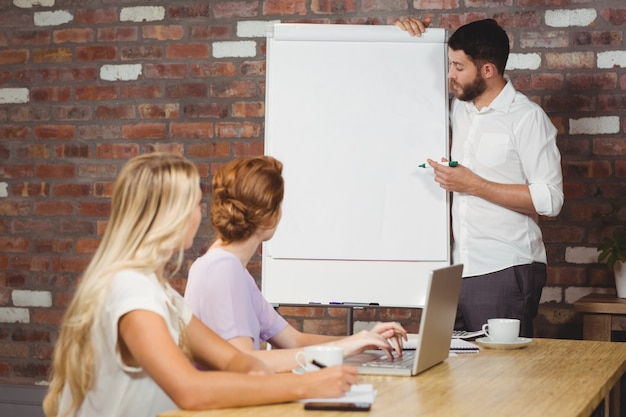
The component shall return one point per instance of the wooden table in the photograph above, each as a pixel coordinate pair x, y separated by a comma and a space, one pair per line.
550, 377
602, 314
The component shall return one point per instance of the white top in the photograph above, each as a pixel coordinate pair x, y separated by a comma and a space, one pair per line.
122, 390
511, 141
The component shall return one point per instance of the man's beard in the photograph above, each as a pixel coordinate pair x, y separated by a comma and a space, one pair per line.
471, 91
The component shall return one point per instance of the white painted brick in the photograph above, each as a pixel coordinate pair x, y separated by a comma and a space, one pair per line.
14, 95
573, 294
611, 59
234, 49
14, 315
581, 255
54, 18
523, 61
4, 192
25, 298
551, 294
594, 125
27, 4
566, 18
142, 13
125, 72
253, 28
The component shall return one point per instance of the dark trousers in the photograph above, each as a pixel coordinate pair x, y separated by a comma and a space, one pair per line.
511, 293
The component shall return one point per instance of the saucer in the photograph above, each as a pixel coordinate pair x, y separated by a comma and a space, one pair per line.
299, 371
518, 344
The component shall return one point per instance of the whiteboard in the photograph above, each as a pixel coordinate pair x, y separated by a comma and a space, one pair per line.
351, 111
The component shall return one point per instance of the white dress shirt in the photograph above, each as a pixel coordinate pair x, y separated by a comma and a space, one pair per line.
511, 141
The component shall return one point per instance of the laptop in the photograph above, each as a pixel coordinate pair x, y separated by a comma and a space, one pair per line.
435, 333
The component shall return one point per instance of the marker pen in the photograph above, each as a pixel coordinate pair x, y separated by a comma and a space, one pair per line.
449, 163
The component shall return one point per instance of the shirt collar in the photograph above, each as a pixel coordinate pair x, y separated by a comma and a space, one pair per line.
501, 103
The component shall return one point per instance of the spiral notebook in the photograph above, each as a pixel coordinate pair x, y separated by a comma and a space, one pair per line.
435, 334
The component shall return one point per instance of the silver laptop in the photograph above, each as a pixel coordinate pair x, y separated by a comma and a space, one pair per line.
435, 333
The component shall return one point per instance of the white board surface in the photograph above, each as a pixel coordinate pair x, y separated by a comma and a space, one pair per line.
351, 111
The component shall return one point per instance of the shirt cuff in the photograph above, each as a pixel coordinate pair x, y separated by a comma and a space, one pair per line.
547, 199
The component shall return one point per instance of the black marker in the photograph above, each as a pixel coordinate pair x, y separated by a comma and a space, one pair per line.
319, 365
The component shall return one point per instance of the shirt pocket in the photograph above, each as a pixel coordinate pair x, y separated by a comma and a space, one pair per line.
493, 149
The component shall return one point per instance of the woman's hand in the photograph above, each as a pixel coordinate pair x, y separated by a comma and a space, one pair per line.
330, 382
384, 336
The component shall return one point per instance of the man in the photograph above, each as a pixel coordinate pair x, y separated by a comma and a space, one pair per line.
509, 172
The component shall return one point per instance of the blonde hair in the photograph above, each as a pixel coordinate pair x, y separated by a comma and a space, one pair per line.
152, 200
247, 194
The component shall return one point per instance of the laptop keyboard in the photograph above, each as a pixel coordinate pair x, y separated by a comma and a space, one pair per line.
406, 361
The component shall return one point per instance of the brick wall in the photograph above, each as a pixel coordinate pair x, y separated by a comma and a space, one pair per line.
86, 85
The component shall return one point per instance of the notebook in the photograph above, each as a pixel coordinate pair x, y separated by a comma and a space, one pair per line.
435, 333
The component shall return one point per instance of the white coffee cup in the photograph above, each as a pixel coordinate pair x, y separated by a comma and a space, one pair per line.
324, 355
502, 330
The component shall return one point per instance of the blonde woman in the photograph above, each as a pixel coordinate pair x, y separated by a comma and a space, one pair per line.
127, 340
245, 211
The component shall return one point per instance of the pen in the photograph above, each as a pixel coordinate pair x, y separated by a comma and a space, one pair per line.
319, 365
449, 163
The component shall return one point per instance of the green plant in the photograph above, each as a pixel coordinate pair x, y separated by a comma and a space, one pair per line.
613, 248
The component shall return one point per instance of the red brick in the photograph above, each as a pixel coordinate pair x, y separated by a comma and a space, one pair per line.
253, 69
147, 52
103, 189
14, 56
248, 109
192, 51
213, 69
248, 148
594, 38
234, 89
53, 208
602, 81
29, 114
96, 53
116, 150
233, 9
144, 131
118, 34
165, 70
14, 132
10, 208
73, 35
201, 110
211, 32
88, 246
611, 102
16, 171
163, 32
51, 93
71, 190
55, 245
208, 150
52, 55
96, 16
333, 6
183, 12
31, 226
141, 91
284, 7
14, 244
191, 130
56, 171
72, 151
33, 37
116, 112
70, 112
96, 93
245, 130
63, 132
159, 111
616, 17
187, 90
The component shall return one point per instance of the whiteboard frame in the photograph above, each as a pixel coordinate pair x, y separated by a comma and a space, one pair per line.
393, 283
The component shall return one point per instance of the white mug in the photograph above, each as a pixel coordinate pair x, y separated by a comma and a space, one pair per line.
324, 355
502, 330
